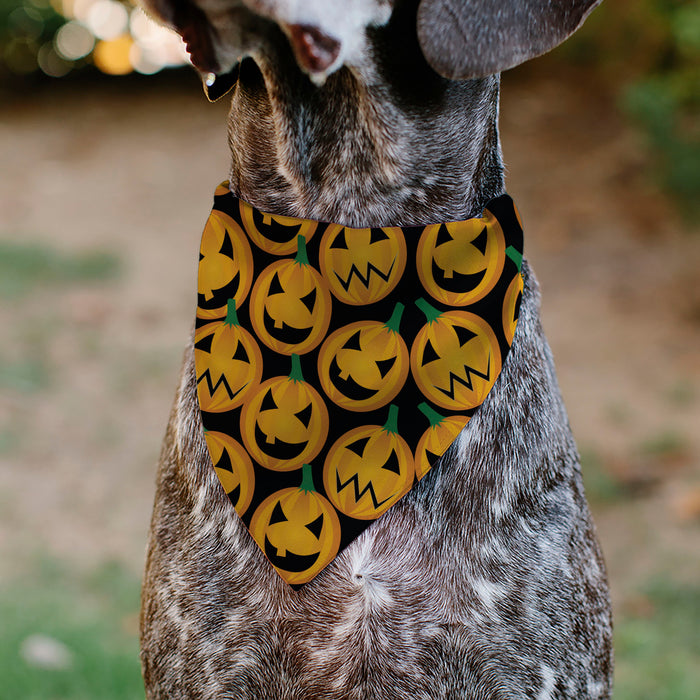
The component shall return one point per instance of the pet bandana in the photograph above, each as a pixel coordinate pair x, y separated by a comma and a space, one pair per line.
335, 365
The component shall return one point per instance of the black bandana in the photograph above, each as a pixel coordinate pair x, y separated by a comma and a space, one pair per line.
336, 365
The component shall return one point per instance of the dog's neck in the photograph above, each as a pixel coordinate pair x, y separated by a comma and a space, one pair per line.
385, 143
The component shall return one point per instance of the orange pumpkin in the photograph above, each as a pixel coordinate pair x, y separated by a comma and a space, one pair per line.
455, 358
290, 307
222, 189
362, 265
234, 468
284, 423
275, 234
511, 307
298, 530
437, 438
227, 361
225, 266
460, 262
364, 365
368, 469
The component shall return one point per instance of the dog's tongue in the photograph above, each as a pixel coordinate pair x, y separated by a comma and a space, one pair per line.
314, 50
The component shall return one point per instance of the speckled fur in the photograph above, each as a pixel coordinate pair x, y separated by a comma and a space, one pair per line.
486, 581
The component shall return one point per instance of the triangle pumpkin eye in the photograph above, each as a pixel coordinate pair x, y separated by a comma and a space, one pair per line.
353, 342
443, 236
224, 462
268, 403
309, 301
392, 463
275, 286
385, 365
304, 415
227, 246
358, 447
377, 235
429, 354
278, 515
339, 241
316, 526
464, 335
205, 343
241, 355
480, 241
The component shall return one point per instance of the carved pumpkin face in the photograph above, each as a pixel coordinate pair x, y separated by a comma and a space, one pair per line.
368, 469
285, 422
460, 262
362, 265
233, 467
290, 305
436, 439
455, 359
298, 530
511, 307
364, 365
227, 362
225, 266
275, 234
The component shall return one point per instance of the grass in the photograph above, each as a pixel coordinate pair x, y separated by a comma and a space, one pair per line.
94, 618
28, 266
658, 649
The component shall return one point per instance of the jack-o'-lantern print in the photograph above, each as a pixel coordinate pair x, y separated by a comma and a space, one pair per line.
368, 469
364, 365
284, 423
222, 189
225, 266
234, 468
227, 361
437, 438
290, 306
460, 262
511, 307
298, 530
275, 234
455, 358
362, 265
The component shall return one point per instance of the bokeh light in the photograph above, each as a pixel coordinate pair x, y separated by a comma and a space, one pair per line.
58, 36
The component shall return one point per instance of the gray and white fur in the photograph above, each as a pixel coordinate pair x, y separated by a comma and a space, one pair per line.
486, 581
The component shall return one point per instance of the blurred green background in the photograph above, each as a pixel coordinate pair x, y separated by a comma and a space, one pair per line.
109, 156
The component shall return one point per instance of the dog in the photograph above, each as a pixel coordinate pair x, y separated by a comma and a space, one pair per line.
486, 580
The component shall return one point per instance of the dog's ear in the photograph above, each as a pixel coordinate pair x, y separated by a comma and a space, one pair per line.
472, 38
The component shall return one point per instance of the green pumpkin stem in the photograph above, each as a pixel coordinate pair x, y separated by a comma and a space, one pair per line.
395, 321
432, 415
231, 315
392, 422
431, 313
302, 257
515, 255
296, 374
307, 480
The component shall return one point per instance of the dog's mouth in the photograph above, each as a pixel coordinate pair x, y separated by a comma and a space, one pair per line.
216, 86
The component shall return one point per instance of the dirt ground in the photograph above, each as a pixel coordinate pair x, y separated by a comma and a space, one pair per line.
131, 170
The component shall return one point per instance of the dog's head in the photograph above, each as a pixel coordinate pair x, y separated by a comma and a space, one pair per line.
460, 39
